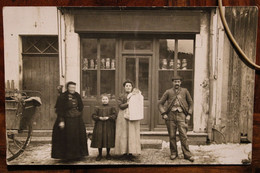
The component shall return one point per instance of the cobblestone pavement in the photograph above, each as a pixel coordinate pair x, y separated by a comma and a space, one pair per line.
38, 153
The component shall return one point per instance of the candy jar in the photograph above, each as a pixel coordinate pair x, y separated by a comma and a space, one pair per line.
108, 63
85, 64
92, 63
171, 64
103, 63
178, 64
164, 64
184, 64
113, 64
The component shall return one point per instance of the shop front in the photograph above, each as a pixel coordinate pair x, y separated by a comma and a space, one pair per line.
99, 48
149, 62
146, 46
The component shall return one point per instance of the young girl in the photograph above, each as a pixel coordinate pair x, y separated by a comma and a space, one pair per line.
104, 129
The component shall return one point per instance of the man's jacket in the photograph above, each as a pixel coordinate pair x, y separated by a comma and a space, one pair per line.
170, 95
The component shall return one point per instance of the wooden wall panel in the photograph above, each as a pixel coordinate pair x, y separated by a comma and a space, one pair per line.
256, 138
240, 78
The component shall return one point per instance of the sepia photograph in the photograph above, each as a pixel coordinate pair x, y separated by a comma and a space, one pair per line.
128, 85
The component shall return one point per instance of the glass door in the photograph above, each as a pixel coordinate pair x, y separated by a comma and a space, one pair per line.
138, 70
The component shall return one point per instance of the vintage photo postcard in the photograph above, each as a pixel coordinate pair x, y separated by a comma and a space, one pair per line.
128, 85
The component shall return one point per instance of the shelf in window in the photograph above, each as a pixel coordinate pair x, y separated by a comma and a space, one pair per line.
185, 70
166, 69
177, 70
90, 69
108, 69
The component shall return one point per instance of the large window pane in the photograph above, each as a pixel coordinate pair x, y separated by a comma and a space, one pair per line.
131, 69
89, 67
166, 54
108, 82
187, 80
185, 54
165, 81
143, 76
107, 54
89, 83
89, 54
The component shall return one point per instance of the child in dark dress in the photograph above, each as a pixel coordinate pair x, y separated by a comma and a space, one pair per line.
104, 129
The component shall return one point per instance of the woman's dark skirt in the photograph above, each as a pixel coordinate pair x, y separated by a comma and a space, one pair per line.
70, 142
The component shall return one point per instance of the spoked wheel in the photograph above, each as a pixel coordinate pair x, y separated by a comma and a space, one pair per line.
18, 140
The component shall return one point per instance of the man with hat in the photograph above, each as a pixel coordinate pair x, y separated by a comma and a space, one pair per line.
176, 113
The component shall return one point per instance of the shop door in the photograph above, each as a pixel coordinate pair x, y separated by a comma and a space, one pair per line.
138, 69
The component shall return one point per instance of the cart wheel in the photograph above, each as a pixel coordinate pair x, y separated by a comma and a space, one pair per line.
18, 140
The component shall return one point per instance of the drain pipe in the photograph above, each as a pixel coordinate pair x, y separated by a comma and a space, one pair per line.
212, 76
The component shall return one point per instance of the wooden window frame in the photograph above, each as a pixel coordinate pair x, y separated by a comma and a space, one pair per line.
98, 70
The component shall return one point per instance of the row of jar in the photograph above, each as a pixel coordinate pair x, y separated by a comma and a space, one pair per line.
169, 64
105, 63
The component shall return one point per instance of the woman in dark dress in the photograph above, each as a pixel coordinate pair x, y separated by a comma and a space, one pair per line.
69, 139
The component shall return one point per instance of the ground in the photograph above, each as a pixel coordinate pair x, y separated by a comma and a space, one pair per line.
38, 153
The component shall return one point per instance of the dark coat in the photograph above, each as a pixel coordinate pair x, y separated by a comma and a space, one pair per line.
104, 131
70, 142
184, 99
122, 101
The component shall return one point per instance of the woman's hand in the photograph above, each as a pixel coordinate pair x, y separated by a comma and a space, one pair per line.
106, 118
103, 118
129, 95
62, 124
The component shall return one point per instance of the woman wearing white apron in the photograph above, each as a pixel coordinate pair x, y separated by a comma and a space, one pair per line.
127, 126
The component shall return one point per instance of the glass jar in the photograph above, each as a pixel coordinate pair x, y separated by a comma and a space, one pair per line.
178, 64
85, 64
92, 63
113, 64
184, 64
164, 64
103, 63
108, 63
171, 64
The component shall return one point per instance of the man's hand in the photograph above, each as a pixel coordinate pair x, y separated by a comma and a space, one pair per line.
165, 116
62, 124
187, 119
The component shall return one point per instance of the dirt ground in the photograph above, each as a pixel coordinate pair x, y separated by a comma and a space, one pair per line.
39, 154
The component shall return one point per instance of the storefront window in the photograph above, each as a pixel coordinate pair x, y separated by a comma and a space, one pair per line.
167, 49
98, 67
176, 57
